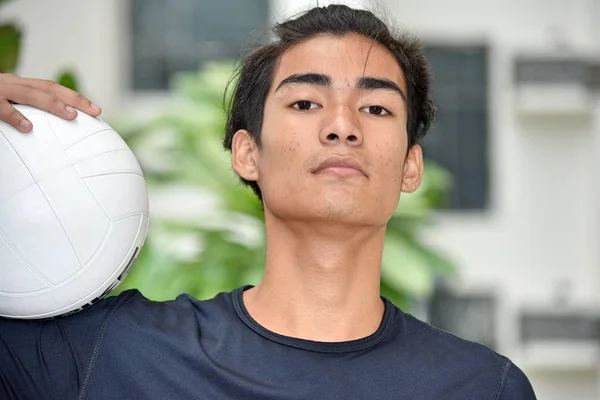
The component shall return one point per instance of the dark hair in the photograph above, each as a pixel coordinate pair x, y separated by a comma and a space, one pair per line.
255, 73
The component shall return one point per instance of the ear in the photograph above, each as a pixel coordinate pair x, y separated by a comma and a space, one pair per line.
413, 169
244, 154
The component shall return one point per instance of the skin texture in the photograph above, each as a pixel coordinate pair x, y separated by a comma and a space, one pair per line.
325, 230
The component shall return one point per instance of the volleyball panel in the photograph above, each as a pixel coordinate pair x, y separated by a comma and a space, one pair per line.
40, 150
82, 218
71, 132
14, 175
120, 195
112, 162
88, 284
102, 142
15, 275
30, 226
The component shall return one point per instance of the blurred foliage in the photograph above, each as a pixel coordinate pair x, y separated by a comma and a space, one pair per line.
10, 45
223, 246
67, 79
10, 38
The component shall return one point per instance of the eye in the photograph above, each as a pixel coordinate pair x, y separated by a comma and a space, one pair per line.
376, 110
305, 105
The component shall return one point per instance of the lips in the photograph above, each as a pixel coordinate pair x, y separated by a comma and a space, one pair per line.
340, 164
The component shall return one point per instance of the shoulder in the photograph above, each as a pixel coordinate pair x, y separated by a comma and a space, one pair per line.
74, 328
516, 386
41, 358
448, 345
134, 302
137, 314
472, 361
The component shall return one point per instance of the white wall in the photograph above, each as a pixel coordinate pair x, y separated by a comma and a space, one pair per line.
86, 36
543, 225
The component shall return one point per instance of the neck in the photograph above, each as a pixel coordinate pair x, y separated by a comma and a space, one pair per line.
321, 281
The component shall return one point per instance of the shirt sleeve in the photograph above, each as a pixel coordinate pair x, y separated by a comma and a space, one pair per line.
517, 386
49, 359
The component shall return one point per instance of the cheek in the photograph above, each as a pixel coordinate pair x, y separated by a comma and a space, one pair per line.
285, 154
391, 154
281, 163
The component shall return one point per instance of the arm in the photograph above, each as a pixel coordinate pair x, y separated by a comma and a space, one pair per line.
44, 359
49, 359
517, 386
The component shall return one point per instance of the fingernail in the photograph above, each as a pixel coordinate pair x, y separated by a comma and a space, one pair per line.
69, 109
25, 124
95, 107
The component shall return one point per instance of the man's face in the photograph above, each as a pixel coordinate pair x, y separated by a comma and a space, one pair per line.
337, 102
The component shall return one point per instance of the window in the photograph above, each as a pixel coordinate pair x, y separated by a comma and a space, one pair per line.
459, 139
170, 36
469, 316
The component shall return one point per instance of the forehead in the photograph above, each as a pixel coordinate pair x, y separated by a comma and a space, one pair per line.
343, 58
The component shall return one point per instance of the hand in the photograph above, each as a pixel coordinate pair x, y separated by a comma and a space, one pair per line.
43, 94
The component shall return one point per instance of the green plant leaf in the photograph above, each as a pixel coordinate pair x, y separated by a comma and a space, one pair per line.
68, 80
10, 41
404, 267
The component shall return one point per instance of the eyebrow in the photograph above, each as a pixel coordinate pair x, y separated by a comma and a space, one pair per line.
307, 79
365, 82
370, 83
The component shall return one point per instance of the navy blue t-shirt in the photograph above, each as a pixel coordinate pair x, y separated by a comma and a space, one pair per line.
129, 347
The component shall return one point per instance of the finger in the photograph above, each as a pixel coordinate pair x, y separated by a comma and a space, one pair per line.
12, 116
41, 99
7, 77
68, 96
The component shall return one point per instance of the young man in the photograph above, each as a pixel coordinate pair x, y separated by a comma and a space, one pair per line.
324, 128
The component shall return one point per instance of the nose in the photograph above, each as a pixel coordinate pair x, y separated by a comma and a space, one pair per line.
341, 127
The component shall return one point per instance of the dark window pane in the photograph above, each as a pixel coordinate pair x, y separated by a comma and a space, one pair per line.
470, 316
459, 139
170, 36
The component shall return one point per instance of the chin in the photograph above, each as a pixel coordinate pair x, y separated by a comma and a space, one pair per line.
353, 207
349, 211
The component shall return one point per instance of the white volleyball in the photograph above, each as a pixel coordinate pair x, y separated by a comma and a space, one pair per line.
73, 214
